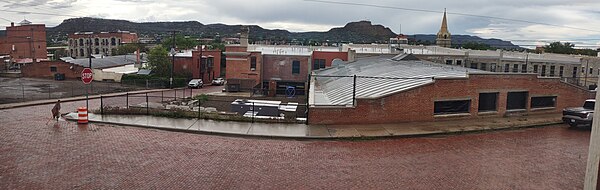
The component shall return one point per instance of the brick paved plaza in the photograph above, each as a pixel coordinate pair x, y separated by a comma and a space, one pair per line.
66, 156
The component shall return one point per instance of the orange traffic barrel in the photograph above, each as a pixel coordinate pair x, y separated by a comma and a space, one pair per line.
83, 115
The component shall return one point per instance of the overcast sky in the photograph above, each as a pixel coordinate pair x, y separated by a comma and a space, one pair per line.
300, 15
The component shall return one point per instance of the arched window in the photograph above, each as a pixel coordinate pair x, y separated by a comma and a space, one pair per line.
97, 42
445, 36
113, 42
97, 51
81, 52
80, 42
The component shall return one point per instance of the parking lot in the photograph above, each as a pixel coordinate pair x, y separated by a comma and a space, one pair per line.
28, 89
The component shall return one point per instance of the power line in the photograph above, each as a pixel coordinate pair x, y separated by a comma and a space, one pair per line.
452, 13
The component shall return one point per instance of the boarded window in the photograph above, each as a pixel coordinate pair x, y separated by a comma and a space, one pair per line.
296, 67
516, 100
252, 63
488, 102
452, 107
543, 102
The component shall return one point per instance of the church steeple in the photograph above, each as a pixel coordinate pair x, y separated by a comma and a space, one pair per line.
443, 36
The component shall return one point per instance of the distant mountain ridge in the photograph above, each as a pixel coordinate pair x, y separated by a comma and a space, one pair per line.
354, 32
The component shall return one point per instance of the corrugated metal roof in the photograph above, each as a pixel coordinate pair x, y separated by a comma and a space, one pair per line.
377, 77
105, 62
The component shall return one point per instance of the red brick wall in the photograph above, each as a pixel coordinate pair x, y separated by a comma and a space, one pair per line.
418, 104
238, 67
280, 66
329, 57
19, 36
184, 65
42, 70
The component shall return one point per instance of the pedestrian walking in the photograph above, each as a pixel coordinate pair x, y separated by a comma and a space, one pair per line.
55, 111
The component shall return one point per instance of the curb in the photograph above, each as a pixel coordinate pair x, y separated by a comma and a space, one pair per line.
438, 133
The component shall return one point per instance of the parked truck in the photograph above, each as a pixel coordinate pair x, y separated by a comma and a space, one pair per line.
580, 115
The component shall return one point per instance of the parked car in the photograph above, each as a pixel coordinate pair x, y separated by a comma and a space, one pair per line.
580, 115
195, 83
218, 81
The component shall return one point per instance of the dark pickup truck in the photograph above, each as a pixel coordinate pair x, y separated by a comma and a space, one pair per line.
580, 115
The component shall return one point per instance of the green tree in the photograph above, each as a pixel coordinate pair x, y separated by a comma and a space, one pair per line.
181, 42
130, 48
158, 61
568, 48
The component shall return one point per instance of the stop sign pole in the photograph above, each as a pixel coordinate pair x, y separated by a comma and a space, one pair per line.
87, 75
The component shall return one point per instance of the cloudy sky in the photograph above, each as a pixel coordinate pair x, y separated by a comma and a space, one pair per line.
580, 19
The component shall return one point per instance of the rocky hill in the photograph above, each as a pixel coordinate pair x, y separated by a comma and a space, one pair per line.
355, 32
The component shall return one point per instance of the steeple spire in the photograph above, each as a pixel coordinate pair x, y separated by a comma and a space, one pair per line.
444, 28
443, 36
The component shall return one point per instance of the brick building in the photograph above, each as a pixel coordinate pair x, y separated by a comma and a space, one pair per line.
188, 63
24, 42
47, 69
81, 44
273, 68
400, 89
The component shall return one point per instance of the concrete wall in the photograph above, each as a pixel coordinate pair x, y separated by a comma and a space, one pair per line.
418, 104
100, 75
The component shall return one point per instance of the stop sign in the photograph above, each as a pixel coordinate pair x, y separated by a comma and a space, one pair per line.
87, 75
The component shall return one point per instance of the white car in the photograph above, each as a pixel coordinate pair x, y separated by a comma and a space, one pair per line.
195, 83
218, 81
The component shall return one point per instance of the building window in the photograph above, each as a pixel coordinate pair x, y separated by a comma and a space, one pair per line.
318, 64
459, 62
119, 41
561, 71
53, 69
506, 68
535, 69
583, 69
488, 102
515, 68
591, 70
211, 63
543, 70
474, 65
552, 68
451, 107
448, 62
113, 42
523, 68
80, 42
574, 72
543, 102
483, 66
96, 42
295, 67
252, 63
81, 52
97, 51
70, 42
493, 67
516, 101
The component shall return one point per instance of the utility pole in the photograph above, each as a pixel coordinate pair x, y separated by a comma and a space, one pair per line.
173, 61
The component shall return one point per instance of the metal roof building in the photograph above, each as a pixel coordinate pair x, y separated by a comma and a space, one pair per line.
377, 77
